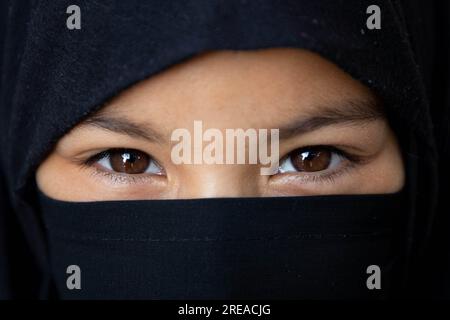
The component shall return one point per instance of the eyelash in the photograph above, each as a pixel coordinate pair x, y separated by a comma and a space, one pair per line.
115, 177
330, 177
351, 160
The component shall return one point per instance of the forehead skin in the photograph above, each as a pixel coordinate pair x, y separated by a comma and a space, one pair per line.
265, 87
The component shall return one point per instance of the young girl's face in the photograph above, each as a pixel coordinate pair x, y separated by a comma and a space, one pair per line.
333, 137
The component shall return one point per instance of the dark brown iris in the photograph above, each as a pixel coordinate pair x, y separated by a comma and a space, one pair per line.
129, 161
311, 159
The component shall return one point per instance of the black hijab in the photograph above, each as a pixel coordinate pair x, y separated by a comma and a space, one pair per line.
52, 78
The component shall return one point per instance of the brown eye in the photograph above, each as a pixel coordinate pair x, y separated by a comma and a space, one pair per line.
311, 159
129, 161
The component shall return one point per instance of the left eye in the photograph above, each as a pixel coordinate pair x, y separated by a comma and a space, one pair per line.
128, 161
311, 159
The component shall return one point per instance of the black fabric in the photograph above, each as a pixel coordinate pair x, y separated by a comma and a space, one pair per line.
269, 248
435, 48
52, 78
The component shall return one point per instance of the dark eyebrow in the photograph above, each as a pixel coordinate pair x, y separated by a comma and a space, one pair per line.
352, 112
124, 126
348, 112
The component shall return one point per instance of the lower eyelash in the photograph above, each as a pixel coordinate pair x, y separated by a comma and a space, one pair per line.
330, 177
118, 178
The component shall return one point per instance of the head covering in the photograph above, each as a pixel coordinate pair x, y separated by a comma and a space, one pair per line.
53, 77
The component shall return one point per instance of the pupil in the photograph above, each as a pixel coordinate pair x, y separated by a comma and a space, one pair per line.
126, 157
132, 162
312, 160
308, 155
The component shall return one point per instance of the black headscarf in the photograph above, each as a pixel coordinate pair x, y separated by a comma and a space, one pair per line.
52, 78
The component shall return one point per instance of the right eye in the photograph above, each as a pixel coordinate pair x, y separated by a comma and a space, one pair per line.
311, 159
127, 161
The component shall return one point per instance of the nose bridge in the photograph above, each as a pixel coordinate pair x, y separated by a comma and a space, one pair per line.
217, 181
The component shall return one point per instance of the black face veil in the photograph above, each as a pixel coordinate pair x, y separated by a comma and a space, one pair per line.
296, 247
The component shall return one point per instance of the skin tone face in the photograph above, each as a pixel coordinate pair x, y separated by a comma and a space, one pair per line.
334, 138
